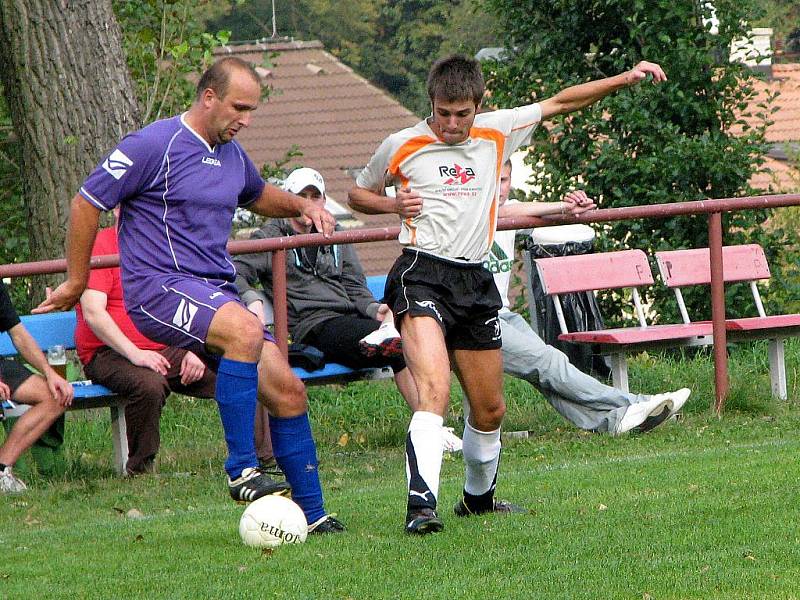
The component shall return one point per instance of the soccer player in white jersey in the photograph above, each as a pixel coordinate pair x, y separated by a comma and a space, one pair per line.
446, 171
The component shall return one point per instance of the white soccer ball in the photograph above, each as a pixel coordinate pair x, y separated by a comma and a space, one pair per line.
271, 521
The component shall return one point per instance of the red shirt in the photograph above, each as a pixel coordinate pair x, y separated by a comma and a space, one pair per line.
107, 281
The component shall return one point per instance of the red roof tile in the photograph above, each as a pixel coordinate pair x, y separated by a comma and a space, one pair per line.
785, 80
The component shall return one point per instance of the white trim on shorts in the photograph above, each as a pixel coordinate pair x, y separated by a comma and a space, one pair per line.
403, 285
188, 297
171, 326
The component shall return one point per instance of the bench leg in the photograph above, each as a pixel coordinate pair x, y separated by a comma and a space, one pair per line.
119, 437
777, 368
619, 371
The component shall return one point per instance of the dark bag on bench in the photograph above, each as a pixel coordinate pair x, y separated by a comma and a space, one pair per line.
581, 310
306, 357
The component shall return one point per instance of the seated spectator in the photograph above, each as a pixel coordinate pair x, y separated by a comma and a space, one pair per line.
48, 394
115, 354
578, 397
330, 306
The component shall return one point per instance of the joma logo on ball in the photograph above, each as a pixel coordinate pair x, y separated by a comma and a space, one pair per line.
286, 536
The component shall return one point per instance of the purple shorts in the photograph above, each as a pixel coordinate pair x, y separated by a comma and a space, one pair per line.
177, 310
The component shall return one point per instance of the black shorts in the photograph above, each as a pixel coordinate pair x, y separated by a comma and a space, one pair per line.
461, 297
13, 373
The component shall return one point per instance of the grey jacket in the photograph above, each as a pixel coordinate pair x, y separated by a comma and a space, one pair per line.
331, 287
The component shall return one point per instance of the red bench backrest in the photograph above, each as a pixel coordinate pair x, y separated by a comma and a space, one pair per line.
691, 267
586, 272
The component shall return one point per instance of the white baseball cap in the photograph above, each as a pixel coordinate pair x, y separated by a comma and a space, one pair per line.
299, 179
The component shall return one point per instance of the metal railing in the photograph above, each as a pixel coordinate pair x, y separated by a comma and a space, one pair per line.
278, 246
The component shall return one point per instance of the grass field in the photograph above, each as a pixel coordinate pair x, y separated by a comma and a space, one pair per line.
704, 508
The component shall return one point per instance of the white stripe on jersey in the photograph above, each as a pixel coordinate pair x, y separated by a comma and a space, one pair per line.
165, 160
85, 193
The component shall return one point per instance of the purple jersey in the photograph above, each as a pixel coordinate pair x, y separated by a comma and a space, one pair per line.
177, 197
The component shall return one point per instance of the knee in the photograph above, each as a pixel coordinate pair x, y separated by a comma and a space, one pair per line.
488, 416
152, 391
55, 408
295, 398
434, 392
239, 334
290, 400
35, 391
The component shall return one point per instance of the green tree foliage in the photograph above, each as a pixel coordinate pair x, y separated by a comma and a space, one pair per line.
166, 43
784, 18
412, 34
647, 144
391, 43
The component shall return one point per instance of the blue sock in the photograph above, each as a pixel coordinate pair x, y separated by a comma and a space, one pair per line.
237, 391
296, 455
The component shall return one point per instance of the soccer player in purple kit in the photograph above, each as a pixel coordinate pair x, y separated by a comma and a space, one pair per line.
178, 182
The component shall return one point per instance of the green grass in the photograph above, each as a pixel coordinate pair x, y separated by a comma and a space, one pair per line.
706, 508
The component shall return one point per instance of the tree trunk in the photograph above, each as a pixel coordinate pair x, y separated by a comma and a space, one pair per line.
71, 99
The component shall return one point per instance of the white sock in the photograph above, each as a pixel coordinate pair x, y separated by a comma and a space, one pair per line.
481, 455
424, 448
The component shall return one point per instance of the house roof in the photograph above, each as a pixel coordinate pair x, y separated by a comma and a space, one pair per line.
779, 176
335, 117
786, 120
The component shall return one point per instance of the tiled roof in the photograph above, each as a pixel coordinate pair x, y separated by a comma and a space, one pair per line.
777, 177
786, 81
780, 177
335, 117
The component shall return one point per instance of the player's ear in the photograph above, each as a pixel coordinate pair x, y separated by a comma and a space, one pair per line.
208, 96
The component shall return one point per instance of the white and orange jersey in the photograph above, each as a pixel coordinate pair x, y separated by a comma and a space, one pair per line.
458, 183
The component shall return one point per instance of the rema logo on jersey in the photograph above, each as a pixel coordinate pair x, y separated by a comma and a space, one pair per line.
456, 175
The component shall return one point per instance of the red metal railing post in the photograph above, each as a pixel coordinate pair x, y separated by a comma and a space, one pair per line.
718, 311
279, 301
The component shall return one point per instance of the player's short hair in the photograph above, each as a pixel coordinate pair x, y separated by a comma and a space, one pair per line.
507, 163
454, 78
218, 76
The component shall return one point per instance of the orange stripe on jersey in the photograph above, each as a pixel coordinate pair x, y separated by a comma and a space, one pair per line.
499, 140
492, 219
526, 125
407, 149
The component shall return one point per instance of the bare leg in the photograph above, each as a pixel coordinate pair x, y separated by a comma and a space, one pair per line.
428, 361
481, 376
33, 423
408, 388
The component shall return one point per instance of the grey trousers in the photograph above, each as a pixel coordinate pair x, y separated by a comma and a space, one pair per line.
578, 397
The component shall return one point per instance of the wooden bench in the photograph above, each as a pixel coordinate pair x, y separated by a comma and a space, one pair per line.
627, 269
745, 263
59, 329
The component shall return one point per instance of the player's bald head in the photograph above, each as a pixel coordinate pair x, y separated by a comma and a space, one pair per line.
218, 76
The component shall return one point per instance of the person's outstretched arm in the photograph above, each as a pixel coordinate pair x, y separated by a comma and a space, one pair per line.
573, 203
275, 202
580, 96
